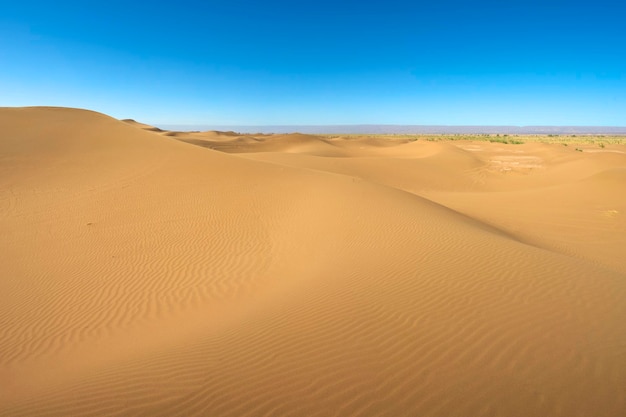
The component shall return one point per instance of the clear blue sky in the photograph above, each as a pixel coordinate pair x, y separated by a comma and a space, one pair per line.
238, 62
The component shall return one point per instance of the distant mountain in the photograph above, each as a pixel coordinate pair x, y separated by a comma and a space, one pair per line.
411, 129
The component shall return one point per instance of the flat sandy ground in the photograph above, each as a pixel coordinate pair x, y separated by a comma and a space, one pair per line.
294, 275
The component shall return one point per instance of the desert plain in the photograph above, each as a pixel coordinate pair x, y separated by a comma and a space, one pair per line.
150, 272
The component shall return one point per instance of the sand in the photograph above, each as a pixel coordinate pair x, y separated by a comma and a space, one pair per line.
299, 275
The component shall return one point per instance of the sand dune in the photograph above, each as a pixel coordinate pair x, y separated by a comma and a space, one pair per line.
275, 275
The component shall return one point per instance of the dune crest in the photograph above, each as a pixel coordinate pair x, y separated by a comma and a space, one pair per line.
277, 275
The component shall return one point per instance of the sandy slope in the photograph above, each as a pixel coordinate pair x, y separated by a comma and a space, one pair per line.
142, 275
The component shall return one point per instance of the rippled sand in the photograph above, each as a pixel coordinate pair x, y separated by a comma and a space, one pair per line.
297, 275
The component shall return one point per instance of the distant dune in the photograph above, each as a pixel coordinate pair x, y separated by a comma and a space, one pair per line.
412, 129
150, 272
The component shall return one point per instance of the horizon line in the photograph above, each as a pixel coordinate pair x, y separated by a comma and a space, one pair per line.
400, 128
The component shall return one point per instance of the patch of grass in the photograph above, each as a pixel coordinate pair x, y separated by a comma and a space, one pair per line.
498, 140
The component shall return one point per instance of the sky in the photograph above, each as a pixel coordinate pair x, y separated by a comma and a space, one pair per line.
278, 62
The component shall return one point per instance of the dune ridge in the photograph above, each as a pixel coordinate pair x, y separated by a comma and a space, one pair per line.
299, 275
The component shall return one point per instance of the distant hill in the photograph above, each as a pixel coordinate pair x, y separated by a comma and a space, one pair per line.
411, 129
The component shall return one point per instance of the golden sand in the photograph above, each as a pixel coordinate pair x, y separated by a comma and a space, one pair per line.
299, 275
